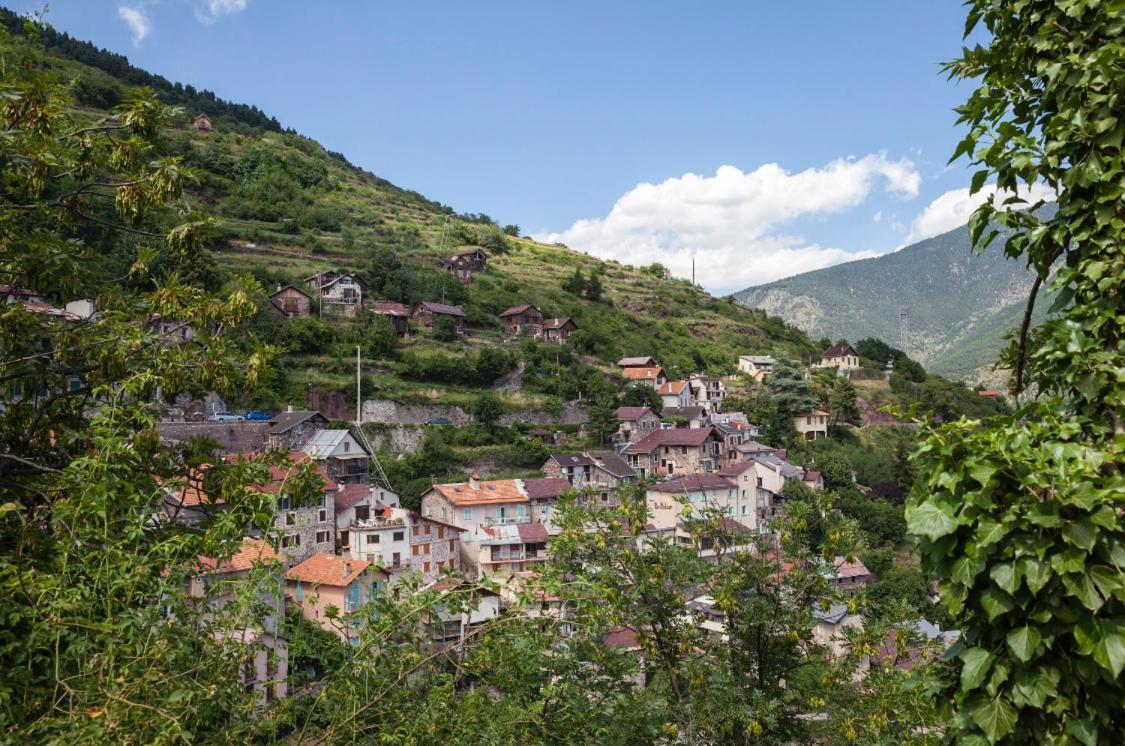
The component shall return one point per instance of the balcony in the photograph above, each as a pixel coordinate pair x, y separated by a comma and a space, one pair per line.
507, 520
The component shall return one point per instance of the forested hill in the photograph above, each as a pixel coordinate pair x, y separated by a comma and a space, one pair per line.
287, 208
959, 304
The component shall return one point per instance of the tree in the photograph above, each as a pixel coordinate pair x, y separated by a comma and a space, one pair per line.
1019, 517
642, 395
512, 230
382, 339
790, 388
594, 287
603, 416
486, 409
842, 405
576, 283
445, 329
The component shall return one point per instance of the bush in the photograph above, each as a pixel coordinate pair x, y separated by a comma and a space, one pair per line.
445, 329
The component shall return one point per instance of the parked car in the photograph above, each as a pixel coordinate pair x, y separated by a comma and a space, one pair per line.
226, 417
439, 421
257, 416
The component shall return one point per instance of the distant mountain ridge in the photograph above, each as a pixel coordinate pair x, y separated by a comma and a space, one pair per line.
959, 304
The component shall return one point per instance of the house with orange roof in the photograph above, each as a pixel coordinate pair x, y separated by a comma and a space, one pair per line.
677, 394
218, 581
402, 541
652, 376
325, 581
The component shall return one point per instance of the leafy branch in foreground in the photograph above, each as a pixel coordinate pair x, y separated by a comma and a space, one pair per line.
1021, 517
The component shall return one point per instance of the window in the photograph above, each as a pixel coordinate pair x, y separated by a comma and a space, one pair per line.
372, 539
322, 516
425, 548
322, 502
441, 532
299, 592
443, 514
683, 450
291, 540
451, 549
399, 536
283, 503
427, 529
344, 537
467, 514
396, 560
347, 446
414, 530
290, 519
321, 537
414, 550
425, 567
362, 512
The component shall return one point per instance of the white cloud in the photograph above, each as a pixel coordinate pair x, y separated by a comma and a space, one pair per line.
209, 11
878, 216
137, 22
952, 209
730, 220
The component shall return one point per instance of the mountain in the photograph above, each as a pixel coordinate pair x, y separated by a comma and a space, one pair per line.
959, 304
287, 208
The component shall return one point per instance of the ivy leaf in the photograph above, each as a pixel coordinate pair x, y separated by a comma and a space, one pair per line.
995, 603
1080, 533
928, 520
966, 569
990, 532
976, 663
1083, 589
1023, 641
1036, 573
1004, 575
995, 717
1104, 639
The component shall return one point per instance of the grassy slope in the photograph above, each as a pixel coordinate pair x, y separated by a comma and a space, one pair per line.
640, 313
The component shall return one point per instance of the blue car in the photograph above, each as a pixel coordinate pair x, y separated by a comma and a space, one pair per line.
257, 416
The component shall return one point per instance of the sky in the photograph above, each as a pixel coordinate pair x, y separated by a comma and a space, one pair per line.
764, 139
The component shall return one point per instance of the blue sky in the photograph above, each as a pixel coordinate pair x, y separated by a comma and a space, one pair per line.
831, 120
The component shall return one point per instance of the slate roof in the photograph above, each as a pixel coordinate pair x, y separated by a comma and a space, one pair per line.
328, 569
692, 483
839, 351
468, 251
758, 359
752, 447
282, 289
350, 495
517, 310
390, 308
571, 459
559, 323
545, 487
441, 308
735, 469
636, 362
690, 413
324, 442
286, 421
694, 436
631, 414
834, 614
614, 464
786, 469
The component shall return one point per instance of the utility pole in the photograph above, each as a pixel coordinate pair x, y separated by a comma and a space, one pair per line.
903, 329
693, 268
358, 397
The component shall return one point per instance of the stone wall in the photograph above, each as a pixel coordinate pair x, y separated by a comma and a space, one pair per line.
233, 437
394, 413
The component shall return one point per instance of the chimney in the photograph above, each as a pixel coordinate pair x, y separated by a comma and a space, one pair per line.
474, 481
347, 569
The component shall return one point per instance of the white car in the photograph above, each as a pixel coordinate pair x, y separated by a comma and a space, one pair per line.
226, 417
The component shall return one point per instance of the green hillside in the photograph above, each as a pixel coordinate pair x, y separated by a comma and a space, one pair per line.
287, 208
960, 304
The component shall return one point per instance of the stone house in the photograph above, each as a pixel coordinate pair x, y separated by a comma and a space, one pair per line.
601, 471
848, 576
306, 527
635, 423
427, 313
811, 425
185, 500
519, 320
290, 302
829, 630
558, 330
542, 495
693, 416
449, 624
677, 394
340, 294
464, 263
404, 542
202, 123
217, 583
294, 427
325, 580
733, 436
359, 502
637, 362
708, 391
843, 358
396, 312
676, 452
344, 457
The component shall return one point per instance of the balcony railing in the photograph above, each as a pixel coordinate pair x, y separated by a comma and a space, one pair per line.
507, 520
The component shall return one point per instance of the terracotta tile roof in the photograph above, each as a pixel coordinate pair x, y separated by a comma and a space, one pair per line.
693, 436
252, 552
845, 569
390, 308
692, 483
328, 569
188, 490
642, 374
441, 308
486, 493
812, 476
631, 414
673, 388
820, 412
621, 637
296, 461
545, 487
636, 362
